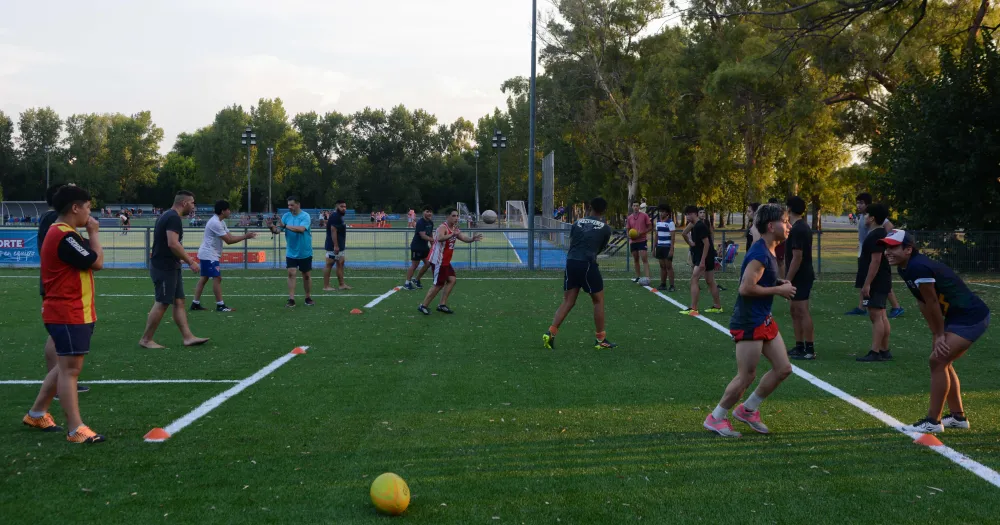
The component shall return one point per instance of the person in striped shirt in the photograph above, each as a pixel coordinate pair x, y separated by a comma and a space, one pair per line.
665, 244
68, 311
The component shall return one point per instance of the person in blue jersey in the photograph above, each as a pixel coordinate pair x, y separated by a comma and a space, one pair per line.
956, 317
297, 226
875, 280
420, 249
588, 237
664, 253
336, 247
754, 330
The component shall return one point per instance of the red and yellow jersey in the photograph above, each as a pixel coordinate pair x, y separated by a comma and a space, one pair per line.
441, 251
67, 277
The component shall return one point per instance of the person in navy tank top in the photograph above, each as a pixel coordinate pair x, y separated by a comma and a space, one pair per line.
956, 317
754, 330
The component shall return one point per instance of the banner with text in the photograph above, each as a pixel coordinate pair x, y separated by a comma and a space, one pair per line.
19, 247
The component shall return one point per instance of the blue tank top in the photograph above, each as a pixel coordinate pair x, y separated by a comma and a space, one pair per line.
752, 311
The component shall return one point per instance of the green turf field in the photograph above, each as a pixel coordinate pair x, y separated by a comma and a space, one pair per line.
484, 425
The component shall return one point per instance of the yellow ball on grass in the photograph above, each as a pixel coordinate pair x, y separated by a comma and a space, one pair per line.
390, 494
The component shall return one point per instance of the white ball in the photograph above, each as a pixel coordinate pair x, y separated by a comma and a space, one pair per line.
489, 216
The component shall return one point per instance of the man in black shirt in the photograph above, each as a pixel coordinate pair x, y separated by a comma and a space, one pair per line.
165, 270
588, 237
799, 270
423, 235
703, 256
875, 280
336, 253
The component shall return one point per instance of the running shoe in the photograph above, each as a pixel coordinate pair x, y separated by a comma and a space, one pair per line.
896, 312
925, 426
721, 427
713, 310
870, 357
604, 345
690, 311
857, 311
950, 421
423, 309
310, 302
750, 418
549, 341
223, 308
197, 307
44, 423
443, 308
83, 434
290, 303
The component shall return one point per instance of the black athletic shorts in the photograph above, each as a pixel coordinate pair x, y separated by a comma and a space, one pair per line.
419, 255
303, 265
168, 285
803, 287
663, 252
584, 275
640, 246
876, 300
71, 339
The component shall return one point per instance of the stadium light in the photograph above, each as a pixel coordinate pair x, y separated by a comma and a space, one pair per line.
48, 149
531, 141
499, 144
249, 139
270, 158
476, 154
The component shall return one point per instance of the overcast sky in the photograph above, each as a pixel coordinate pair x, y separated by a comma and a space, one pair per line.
184, 60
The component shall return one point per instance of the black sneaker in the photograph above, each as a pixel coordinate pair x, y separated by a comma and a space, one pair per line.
662, 286
636, 280
81, 389
807, 354
197, 306
885, 356
796, 352
672, 289
720, 287
443, 308
870, 357
416, 282
423, 309
223, 308
290, 303
604, 345
309, 302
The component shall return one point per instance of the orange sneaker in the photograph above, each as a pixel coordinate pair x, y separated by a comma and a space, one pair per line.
44, 423
84, 435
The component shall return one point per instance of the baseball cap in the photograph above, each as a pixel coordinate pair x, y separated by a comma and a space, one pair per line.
896, 238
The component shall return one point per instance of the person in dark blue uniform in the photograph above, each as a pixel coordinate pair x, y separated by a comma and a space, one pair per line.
957, 319
754, 330
588, 237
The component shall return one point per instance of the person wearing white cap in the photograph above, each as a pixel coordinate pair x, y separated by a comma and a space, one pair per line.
956, 317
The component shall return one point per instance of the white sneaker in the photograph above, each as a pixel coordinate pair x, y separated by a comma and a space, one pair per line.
950, 421
925, 426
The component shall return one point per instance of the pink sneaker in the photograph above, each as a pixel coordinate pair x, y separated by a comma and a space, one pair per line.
721, 427
750, 418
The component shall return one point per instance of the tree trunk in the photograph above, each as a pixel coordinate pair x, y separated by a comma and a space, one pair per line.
977, 23
817, 222
633, 185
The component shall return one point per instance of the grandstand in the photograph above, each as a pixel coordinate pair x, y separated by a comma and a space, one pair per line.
21, 213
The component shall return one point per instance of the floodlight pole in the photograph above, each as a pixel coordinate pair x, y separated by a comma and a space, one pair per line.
270, 158
48, 149
248, 139
531, 143
499, 144
476, 153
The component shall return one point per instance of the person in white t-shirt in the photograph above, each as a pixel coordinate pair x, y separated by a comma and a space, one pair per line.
210, 253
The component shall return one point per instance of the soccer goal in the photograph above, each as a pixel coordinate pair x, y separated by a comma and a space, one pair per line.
464, 215
517, 216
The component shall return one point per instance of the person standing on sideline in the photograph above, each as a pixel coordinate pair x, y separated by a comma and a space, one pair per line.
420, 248
639, 246
440, 259
665, 244
875, 280
336, 249
754, 330
956, 317
703, 256
799, 270
210, 254
587, 238
752, 234
297, 226
864, 200
165, 271
44, 223
68, 263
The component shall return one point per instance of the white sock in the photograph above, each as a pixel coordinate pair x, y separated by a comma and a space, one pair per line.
195, 301
753, 402
36, 415
220, 303
719, 412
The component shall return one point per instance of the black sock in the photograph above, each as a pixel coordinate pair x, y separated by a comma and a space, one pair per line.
809, 345
799, 344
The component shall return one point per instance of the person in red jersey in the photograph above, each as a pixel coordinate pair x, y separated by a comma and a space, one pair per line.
68, 264
440, 261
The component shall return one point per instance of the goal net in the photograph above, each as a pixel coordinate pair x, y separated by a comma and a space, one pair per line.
517, 217
464, 215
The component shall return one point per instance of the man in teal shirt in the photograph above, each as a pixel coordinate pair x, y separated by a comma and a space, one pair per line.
297, 226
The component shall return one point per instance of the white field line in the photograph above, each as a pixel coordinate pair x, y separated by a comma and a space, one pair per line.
519, 261
129, 381
381, 298
986, 285
984, 472
213, 403
238, 295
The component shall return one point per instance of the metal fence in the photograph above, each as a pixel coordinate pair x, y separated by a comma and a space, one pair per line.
366, 248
